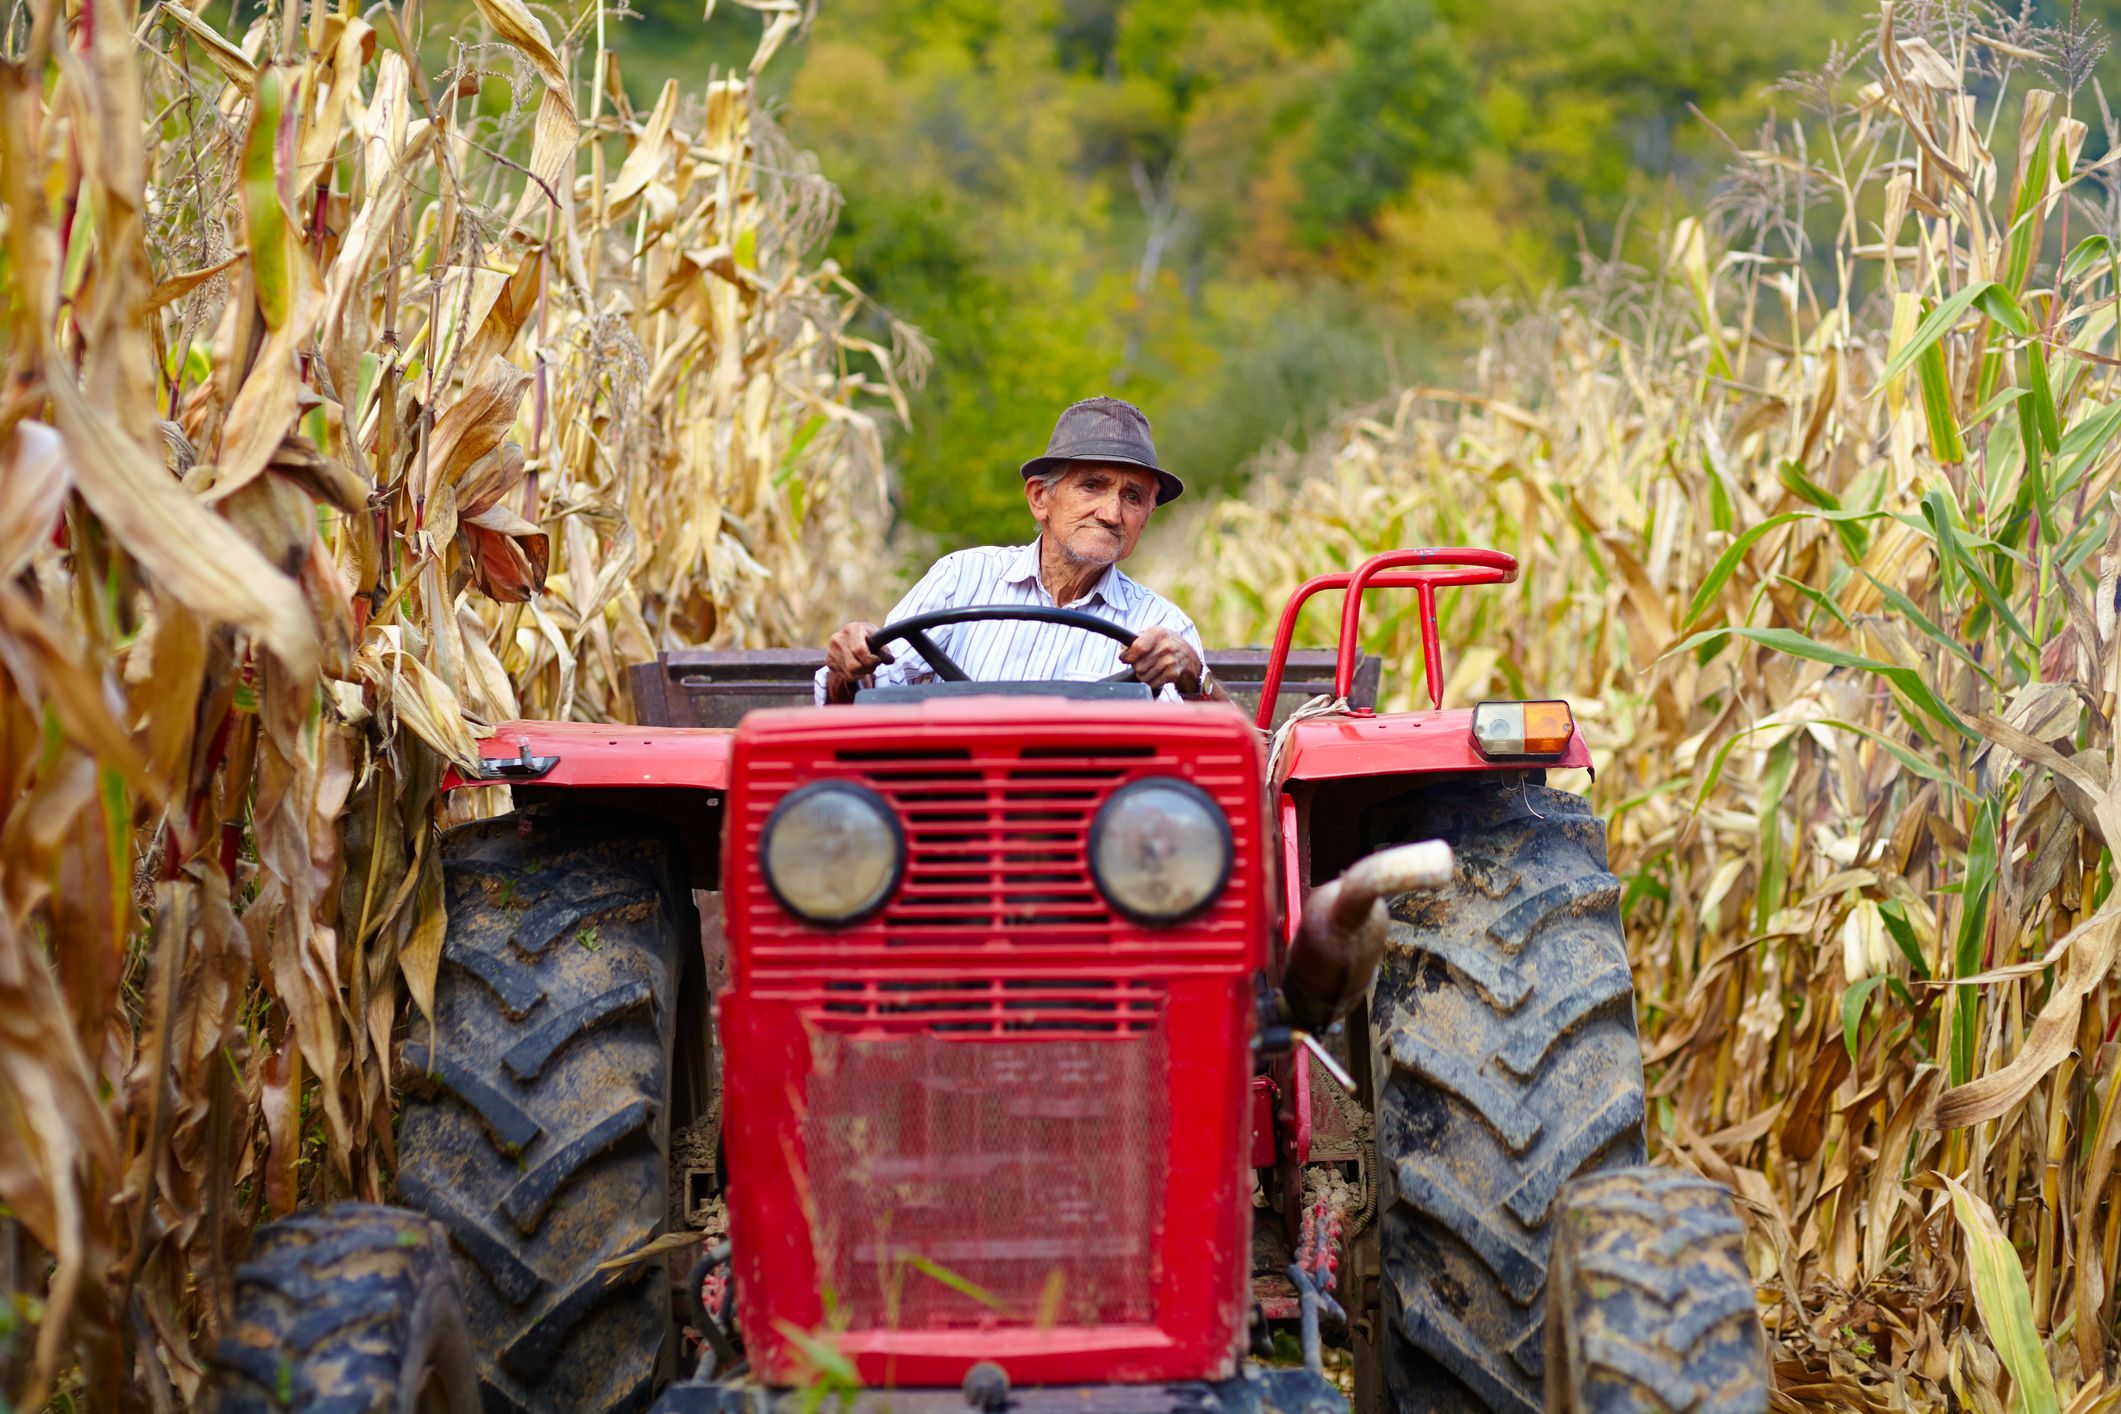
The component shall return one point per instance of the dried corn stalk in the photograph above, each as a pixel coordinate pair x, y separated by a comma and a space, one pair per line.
1819, 535
343, 418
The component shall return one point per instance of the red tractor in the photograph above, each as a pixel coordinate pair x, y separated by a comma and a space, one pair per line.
1002, 1046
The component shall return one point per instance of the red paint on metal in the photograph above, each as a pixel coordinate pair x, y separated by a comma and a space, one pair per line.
1426, 568
1276, 1299
592, 754
1285, 632
1262, 1121
1409, 743
1292, 868
1385, 571
1050, 1089
1296, 1113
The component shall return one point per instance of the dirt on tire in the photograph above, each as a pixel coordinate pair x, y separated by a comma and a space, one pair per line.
1506, 1064
1650, 1304
345, 1310
535, 1126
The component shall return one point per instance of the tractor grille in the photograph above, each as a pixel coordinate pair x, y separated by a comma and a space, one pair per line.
997, 845
995, 1006
985, 1154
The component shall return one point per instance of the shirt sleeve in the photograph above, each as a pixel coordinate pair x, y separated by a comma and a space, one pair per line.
908, 666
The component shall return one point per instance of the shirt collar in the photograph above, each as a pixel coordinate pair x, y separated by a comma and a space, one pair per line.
1023, 569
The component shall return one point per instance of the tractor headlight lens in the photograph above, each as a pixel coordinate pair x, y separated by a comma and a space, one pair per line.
832, 852
1160, 850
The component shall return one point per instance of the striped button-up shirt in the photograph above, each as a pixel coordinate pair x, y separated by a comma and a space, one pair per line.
1013, 650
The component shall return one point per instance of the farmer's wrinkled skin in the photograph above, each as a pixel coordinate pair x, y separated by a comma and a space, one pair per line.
1088, 521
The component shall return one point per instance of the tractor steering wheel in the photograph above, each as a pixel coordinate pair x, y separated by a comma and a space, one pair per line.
915, 632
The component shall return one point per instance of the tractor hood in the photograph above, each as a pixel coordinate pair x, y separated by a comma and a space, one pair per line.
598, 754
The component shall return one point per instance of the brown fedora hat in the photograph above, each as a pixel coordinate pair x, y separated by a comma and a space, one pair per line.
1105, 430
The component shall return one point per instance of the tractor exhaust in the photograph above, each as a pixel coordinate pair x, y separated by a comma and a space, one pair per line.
1341, 937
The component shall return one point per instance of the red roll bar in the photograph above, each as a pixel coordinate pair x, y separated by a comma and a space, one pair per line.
1432, 569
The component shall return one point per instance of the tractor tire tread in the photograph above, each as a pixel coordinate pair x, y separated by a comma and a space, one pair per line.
335, 1310
1652, 1305
1506, 1065
534, 1125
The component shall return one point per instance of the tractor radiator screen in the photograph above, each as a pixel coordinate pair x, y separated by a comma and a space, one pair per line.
1014, 1178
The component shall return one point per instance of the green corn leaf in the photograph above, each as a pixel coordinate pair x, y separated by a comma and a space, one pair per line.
1907, 609
2043, 397
2004, 398
963, 1286
1937, 511
824, 1357
2032, 186
1791, 475
1966, 1016
1979, 878
1727, 562
1723, 755
1820, 600
2005, 1302
1899, 751
1774, 781
2090, 253
2028, 433
264, 218
1933, 328
2084, 442
1967, 947
2000, 305
800, 442
1720, 513
1720, 572
1797, 645
1855, 541
1945, 442
1903, 935
1852, 1002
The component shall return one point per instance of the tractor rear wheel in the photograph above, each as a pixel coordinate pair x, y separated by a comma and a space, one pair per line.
535, 1125
1505, 1064
1650, 1304
345, 1310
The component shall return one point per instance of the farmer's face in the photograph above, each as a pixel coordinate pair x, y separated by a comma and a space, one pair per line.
1096, 511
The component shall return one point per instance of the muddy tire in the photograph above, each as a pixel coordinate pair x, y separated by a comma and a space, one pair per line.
1650, 1305
346, 1310
535, 1126
1506, 1064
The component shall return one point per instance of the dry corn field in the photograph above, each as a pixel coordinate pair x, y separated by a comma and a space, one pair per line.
348, 407
352, 406
1818, 532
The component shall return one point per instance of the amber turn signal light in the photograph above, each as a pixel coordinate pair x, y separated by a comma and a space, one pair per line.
1523, 728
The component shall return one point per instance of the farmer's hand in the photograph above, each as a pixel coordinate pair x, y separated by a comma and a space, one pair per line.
849, 664
1161, 658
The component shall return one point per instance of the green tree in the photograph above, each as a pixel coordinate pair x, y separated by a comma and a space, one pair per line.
1403, 104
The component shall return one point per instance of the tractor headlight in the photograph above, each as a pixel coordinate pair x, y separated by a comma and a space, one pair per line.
1160, 850
832, 852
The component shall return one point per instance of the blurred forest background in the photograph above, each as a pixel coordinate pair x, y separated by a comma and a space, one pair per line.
1243, 215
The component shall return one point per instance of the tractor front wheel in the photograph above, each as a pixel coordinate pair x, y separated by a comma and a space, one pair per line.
536, 1122
1505, 1064
1650, 1305
345, 1310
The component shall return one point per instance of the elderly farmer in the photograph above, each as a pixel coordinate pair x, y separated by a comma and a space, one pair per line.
1091, 494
